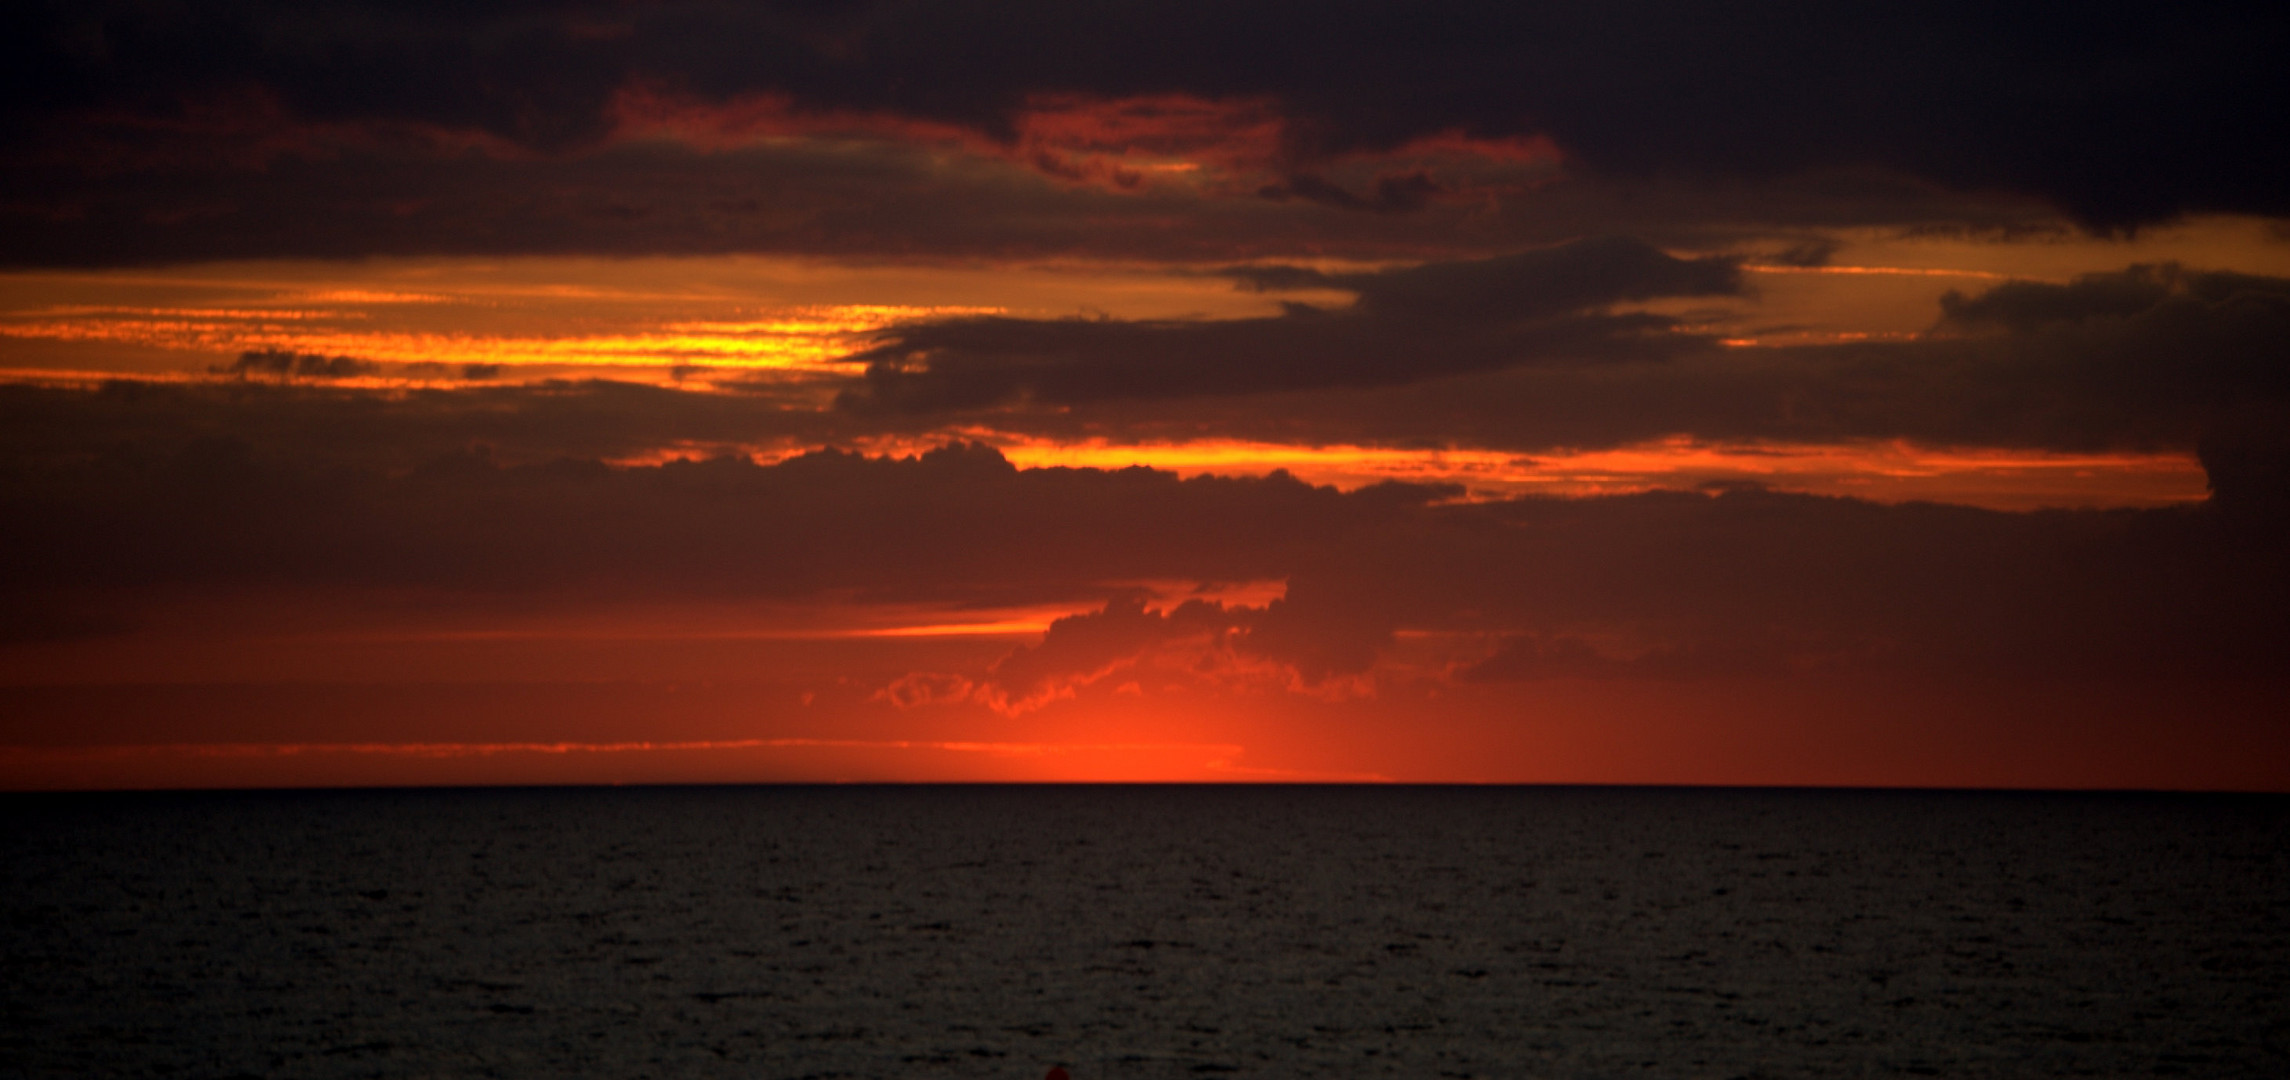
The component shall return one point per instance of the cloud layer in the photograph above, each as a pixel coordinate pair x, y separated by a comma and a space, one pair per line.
1664, 583
138, 133
1495, 353
1408, 325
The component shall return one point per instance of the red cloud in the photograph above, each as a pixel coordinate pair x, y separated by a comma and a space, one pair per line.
1224, 146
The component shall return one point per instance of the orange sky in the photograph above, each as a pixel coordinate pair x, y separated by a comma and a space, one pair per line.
685, 322
207, 687
731, 431
1729, 733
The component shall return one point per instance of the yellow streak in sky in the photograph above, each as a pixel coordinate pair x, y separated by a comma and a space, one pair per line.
1892, 271
372, 296
804, 338
67, 311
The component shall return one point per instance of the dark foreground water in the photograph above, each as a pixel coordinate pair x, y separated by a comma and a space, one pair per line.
1144, 932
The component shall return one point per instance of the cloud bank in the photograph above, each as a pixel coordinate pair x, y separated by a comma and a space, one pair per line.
1662, 583
141, 133
1406, 325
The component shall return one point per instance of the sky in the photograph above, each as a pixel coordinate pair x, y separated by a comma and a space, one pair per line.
942, 390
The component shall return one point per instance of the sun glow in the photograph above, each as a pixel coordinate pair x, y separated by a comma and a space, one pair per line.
801, 758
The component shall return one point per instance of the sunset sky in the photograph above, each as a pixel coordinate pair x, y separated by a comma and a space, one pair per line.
541, 392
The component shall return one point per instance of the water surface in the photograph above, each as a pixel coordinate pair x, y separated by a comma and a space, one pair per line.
1144, 932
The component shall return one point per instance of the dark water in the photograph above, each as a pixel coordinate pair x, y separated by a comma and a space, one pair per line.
1145, 932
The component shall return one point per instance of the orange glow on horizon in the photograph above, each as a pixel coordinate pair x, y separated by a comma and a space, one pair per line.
462, 749
1729, 732
800, 759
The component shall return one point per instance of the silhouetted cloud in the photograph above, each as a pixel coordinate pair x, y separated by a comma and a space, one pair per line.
217, 510
2149, 357
1407, 325
1754, 583
1123, 639
1392, 193
1465, 150
286, 362
1678, 584
2247, 457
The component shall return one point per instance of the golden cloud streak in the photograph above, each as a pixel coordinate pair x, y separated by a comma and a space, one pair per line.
796, 339
1883, 471
1879, 271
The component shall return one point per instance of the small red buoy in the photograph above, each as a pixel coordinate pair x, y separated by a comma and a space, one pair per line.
1057, 1072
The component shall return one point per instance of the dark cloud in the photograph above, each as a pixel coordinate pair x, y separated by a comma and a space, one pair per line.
1577, 276
960, 521
1407, 325
1193, 645
2247, 457
119, 117
2145, 358
1392, 193
2148, 356
1679, 585
290, 364
2151, 358
871, 199
1524, 657
1084, 648
311, 424
1807, 253
2028, 305
286, 363
112, 493
1673, 584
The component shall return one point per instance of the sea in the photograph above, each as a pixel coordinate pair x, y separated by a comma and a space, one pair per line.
1144, 931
